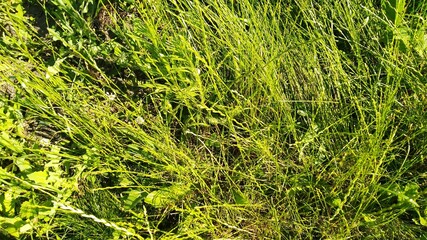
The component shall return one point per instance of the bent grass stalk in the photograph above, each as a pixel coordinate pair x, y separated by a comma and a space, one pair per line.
96, 219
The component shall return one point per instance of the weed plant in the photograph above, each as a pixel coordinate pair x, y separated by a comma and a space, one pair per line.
213, 119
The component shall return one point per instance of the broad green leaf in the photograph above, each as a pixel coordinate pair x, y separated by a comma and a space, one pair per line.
10, 143
55, 69
160, 198
400, 11
54, 159
19, 11
12, 225
38, 177
420, 39
133, 198
404, 36
7, 203
54, 34
27, 227
56, 180
124, 181
395, 10
23, 164
28, 210
239, 197
166, 196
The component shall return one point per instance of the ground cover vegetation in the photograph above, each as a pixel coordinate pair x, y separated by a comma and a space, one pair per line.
214, 119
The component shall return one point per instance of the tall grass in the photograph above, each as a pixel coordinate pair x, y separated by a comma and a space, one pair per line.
213, 119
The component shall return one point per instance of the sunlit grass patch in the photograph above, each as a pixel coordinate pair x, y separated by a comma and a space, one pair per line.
212, 119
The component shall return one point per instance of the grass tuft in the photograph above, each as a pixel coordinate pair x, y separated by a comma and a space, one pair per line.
213, 119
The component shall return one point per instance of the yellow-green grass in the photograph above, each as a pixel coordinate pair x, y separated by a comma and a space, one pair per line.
176, 119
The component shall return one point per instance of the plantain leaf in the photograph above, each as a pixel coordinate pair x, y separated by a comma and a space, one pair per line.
166, 196
133, 198
239, 197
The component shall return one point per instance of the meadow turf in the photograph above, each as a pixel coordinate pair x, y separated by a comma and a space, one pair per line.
213, 119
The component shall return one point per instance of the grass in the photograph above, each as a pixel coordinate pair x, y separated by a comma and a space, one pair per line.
213, 119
